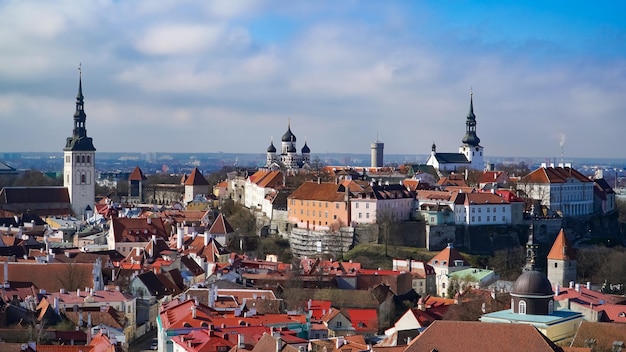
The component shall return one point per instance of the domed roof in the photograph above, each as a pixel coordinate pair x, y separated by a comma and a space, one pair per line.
288, 136
291, 149
305, 149
271, 148
534, 283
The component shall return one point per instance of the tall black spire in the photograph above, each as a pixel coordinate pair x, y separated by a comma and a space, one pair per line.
470, 126
79, 139
531, 250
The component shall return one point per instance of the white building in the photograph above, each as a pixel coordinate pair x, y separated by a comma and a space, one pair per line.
560, 189
474, 209
377, 202
446, 262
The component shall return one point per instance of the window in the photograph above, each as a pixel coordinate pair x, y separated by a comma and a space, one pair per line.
356, 205
336, 205
488, 210
473, 210
522, 307
479, 219
83, 179
367, 215
360, 215
88, 159
494, 209
503, 219
338, 324
487, 216
367, 205
556, 265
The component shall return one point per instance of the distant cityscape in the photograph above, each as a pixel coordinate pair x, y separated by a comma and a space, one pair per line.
176, 163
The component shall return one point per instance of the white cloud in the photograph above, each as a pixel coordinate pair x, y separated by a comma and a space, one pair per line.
178, 39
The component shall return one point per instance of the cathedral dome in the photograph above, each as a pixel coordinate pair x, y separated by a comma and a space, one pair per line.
532, 283
271, 148
288, 136
291, 149
305, 149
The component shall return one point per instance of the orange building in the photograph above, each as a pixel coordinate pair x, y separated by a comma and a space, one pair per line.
319, 206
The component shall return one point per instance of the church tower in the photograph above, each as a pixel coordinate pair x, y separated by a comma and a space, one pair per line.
471, 147
562, 261
79, 161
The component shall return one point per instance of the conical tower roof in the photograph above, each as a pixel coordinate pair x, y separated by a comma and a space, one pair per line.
196, 179
137, 175
562, 249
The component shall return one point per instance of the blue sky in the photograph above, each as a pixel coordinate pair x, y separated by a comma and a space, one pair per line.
197, 76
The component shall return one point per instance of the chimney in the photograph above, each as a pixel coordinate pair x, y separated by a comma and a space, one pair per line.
577, 286
78, 292
206, 238
149, 220
588, 285
6, 274
193, 312
240, 341
571, 284
56, 305
153, 238
557, 291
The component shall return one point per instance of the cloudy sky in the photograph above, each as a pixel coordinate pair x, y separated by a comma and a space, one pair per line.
208, 76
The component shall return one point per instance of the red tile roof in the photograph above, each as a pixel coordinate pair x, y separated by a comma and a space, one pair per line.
196, 179
325, 191
363, 320
221, 226
470, 336
138, 229
447, 257
553, 175
53, 276
562, 249
137, 175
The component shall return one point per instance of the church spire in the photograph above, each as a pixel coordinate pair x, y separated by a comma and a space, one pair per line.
531, 250
79, 139
470, 125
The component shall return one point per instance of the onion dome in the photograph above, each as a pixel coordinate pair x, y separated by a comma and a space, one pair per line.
305, 149
291, 149
288, 136
271, 148
532, 283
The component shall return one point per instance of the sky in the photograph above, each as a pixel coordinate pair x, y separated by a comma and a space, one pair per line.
548, 78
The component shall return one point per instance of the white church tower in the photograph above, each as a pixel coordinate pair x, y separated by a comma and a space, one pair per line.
79, 161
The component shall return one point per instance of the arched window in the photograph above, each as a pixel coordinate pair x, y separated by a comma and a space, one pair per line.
82, 179
88, 159
521, 307
82, 159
